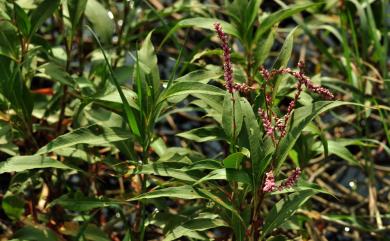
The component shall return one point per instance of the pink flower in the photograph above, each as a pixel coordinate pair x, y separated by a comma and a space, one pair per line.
291, 180
269, 129
269, 184
227, 67
241, 87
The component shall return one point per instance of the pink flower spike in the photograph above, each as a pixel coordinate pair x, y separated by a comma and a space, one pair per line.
243, 88
292, 179
227, 67
269, 129
269, 184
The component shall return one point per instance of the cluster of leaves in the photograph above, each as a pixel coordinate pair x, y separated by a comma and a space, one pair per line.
105, 136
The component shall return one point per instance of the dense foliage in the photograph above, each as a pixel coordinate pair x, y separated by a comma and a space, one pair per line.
194, 120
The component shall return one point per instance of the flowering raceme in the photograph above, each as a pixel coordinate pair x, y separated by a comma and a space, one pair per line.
302, 80
270, 186
227, 66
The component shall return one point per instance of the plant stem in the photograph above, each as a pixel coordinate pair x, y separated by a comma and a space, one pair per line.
68, 50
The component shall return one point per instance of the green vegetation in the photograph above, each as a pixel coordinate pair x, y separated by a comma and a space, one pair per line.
241, 120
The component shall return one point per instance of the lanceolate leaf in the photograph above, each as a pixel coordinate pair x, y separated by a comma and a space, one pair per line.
13, 206
187, 88
8, 41
93, 135
264, 48
204, 134
98, 16
232, 115
302, 117
35, 233
198, 224
253, 136
207, 194
82, 203
340, 150
285, 52
206, 23
202, 76
115, 97
148, 58
130, 114
233, 160
278, 16
226, 174
22, 163
22, 21
43, 12
165, 170
284, 209
283, 58
76, 10
184, 192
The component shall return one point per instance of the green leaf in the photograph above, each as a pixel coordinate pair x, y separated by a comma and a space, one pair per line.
251, 13
302, 117
43, 12
226, 174
340, 150
22, 21
285, 52
233, 160
56, 73
278, 16
264, 48
253, 136
206, 23
159, 146
22, 163
232, 115
165, 170
284, 209
93, 135
184, 192
13, 206
93, 232
81, 203
207, 194
115, 97
9, 41
34, 234
130, 114
76, 10
102, 23
204, 134
202, 76
148, 58
197, 224
187, 88
283, 58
